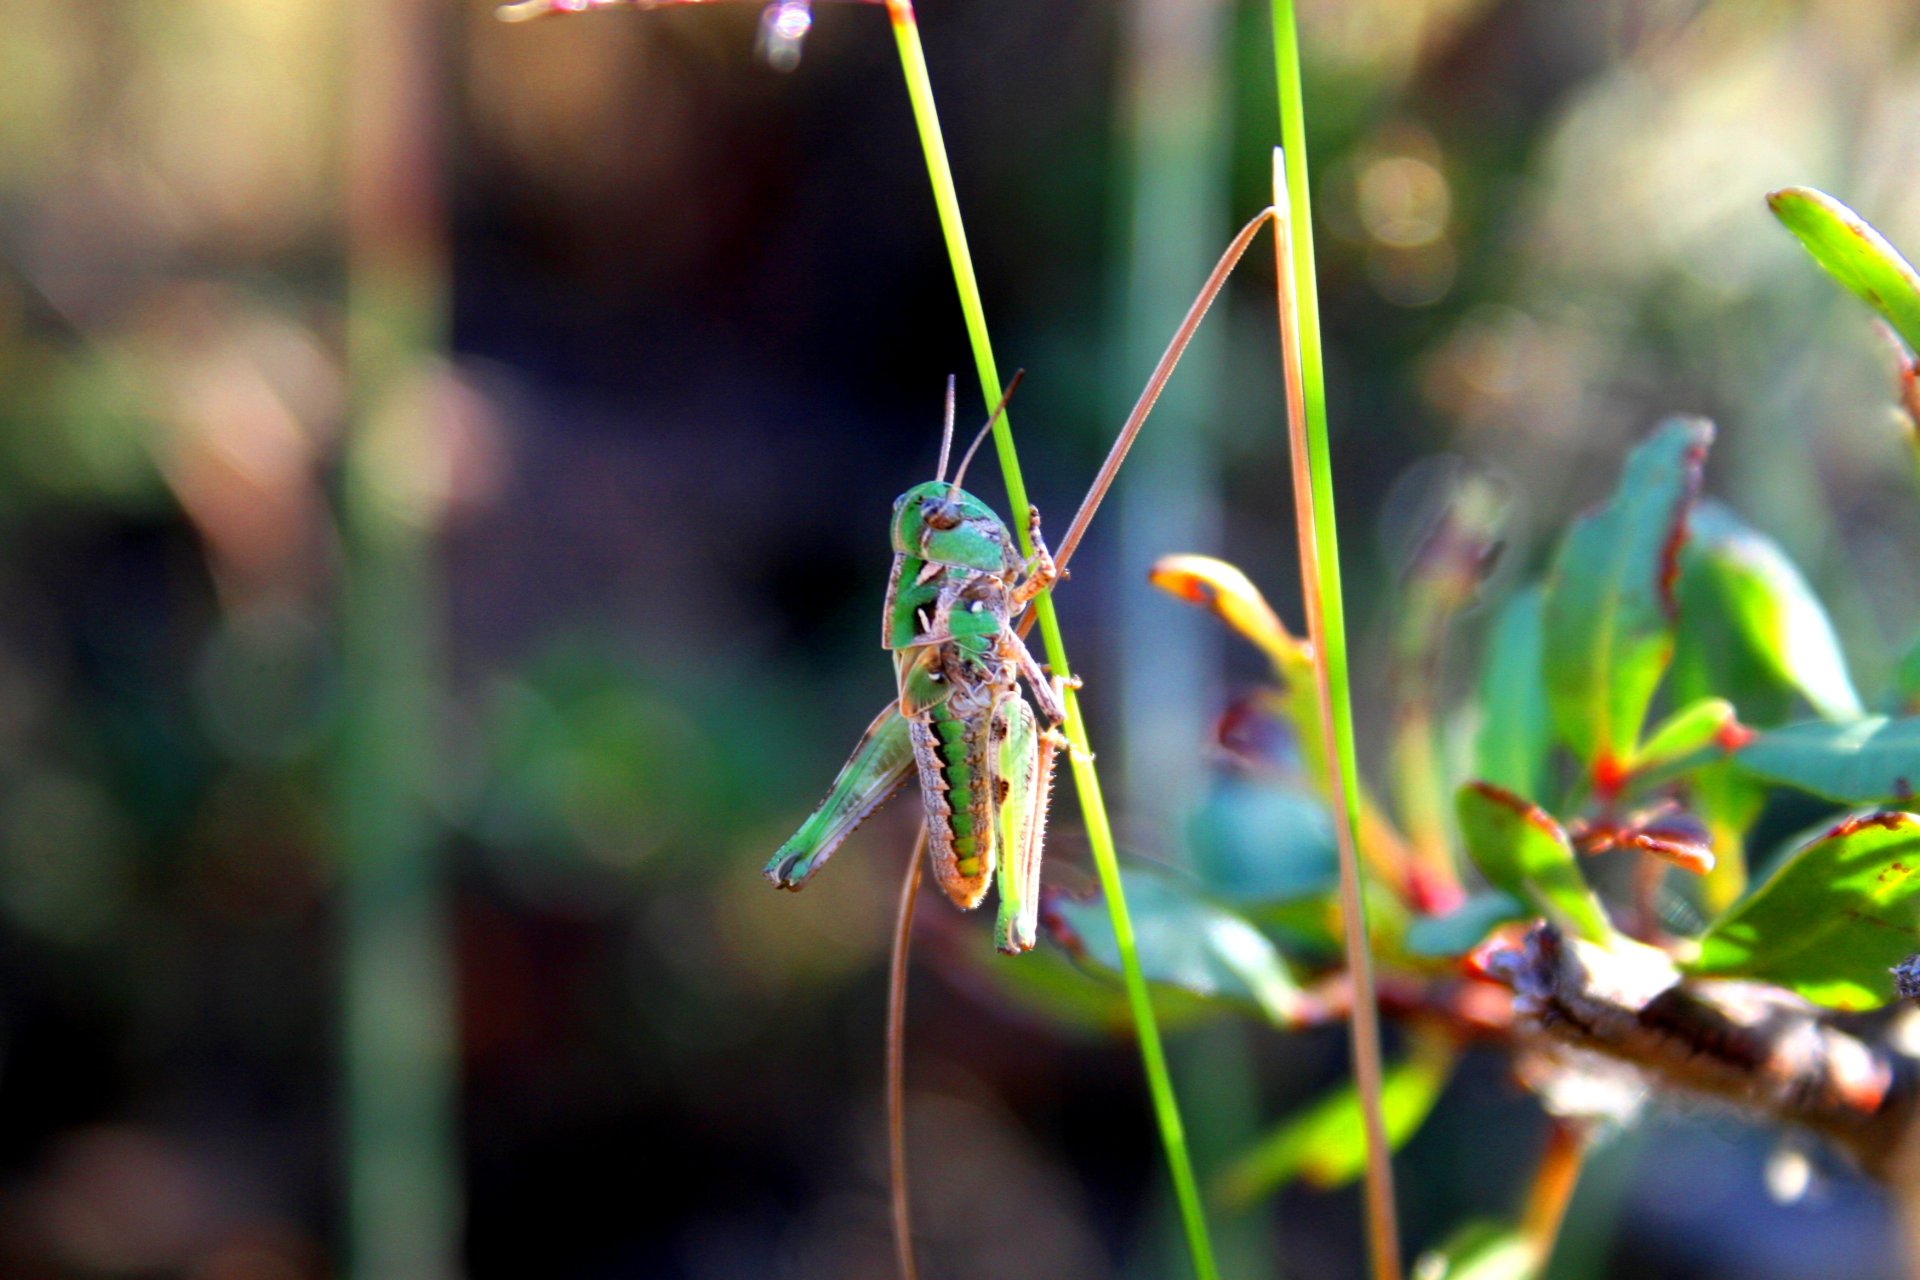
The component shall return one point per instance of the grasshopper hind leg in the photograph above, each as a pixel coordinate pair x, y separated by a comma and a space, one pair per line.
877, 768
1025, 756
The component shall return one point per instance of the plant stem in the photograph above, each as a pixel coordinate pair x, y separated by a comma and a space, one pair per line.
398, 1024
1553, 1186
897, 1061
1086, 779
1326, 611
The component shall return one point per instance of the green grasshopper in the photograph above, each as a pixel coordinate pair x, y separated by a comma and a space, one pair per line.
985, 767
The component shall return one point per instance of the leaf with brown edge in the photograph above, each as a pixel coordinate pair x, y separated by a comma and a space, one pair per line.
1228, 594
1520, 849
1667, 832
1853, 253
1834, 921
1608, 613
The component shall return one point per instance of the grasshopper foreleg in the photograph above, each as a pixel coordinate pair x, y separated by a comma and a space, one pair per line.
1048, 691
1041, 572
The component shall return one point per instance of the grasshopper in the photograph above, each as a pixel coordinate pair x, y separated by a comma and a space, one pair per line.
985, 766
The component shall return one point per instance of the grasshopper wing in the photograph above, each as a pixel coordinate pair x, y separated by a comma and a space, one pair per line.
875, 770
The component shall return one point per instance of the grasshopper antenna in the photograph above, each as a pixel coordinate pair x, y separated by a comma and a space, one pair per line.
946, 434
991, 419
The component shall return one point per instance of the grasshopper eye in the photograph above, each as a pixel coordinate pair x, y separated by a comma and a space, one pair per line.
941, 513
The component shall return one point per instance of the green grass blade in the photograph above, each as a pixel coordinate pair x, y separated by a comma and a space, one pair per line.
1086, 780
1327, 612
398, 1023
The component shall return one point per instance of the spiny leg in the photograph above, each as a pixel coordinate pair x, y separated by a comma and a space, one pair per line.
1024, 766
878, 766
1048, 691
1041, 572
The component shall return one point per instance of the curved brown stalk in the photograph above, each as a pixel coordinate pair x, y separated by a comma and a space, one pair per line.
1320, 584
897, 1061
1553, 1186
1156, 383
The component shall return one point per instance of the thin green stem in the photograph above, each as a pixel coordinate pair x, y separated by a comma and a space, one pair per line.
1326, 612
397, 980
1086, 780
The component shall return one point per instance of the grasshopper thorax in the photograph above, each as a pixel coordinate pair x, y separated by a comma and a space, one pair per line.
939, 523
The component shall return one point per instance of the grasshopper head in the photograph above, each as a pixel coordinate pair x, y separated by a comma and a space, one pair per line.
941, 523
944, 525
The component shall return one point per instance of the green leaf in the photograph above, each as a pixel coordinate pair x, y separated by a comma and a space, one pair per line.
1326, 1145
1516, 731
1049, 985
1692, 728
1867, 761
1833, 921
1184, 939
1466, 926
1906, 682
1729, 800
1609, 607
1854, 254
1522, 850
1753, 630
1479, 1251
1257, 844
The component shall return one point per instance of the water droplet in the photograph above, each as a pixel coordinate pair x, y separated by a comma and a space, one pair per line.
783, 26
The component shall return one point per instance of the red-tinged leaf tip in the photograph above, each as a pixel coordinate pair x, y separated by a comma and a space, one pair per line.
1433, 894
1250, 732
1056, 926
1609, 775
1909, 390
1530, 813
1493, 959
1732, 736
1694, 466
1861, 1080
1506, 799
1486, 1007
1890, 819
1195, 591
1688, 855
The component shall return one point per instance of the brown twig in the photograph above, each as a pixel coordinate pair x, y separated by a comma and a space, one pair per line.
1760, 1048
1364, 1024
1156, 383
897, 1060
1553, 1185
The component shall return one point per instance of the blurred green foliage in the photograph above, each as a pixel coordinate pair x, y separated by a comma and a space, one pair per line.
700, 323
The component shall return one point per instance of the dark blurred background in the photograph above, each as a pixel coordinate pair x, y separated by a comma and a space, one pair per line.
406, 744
